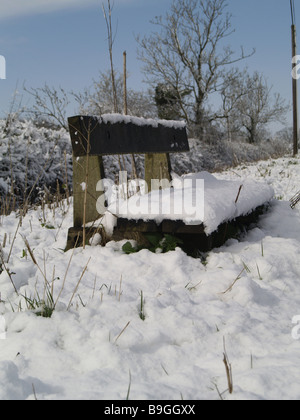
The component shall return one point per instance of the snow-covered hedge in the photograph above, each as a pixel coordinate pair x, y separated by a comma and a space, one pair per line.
32, 156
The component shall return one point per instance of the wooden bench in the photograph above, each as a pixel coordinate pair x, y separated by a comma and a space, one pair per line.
114, 134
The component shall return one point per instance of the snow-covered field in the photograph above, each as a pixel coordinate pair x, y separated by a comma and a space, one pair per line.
96, 344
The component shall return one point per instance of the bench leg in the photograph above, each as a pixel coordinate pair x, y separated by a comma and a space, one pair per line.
94, 173
157, 171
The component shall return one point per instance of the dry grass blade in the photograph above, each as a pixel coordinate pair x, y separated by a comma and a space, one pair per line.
29, 250
228, 369
237, 279
43, 273
7, 270
238, 195
122, 331
120, 288
219, 393
4, 240
66, 273
34, 393
129, 387
13, 241
77, 285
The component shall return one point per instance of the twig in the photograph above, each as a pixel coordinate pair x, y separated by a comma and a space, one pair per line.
122, 331
86, 184
238, 195
228, 369
110, 39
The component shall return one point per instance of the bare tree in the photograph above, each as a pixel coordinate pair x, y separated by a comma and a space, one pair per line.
187, 53
231, 94
99, 99
49, 104
258, 107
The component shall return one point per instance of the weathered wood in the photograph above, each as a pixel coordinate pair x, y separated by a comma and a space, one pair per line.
157, 171
124, 225
193, 237
124, 138
92, 138
95, 172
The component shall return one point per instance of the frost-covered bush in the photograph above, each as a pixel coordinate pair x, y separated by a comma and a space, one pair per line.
222, 154
32, 158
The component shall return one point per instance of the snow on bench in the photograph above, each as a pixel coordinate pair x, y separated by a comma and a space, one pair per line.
196, 199
116, 134
195, 205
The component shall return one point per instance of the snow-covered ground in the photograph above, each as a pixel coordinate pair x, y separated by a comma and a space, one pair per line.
96, 344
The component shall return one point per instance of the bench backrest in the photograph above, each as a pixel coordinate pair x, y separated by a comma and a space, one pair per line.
114, 134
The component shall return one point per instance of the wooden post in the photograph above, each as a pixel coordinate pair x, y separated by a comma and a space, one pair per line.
295, 95
133, 162
125, 83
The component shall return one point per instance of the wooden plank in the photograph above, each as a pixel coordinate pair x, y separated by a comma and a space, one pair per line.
124, 138
124, 225
193, 237
178, 226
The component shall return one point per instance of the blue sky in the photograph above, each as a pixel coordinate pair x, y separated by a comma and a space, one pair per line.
64, 42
